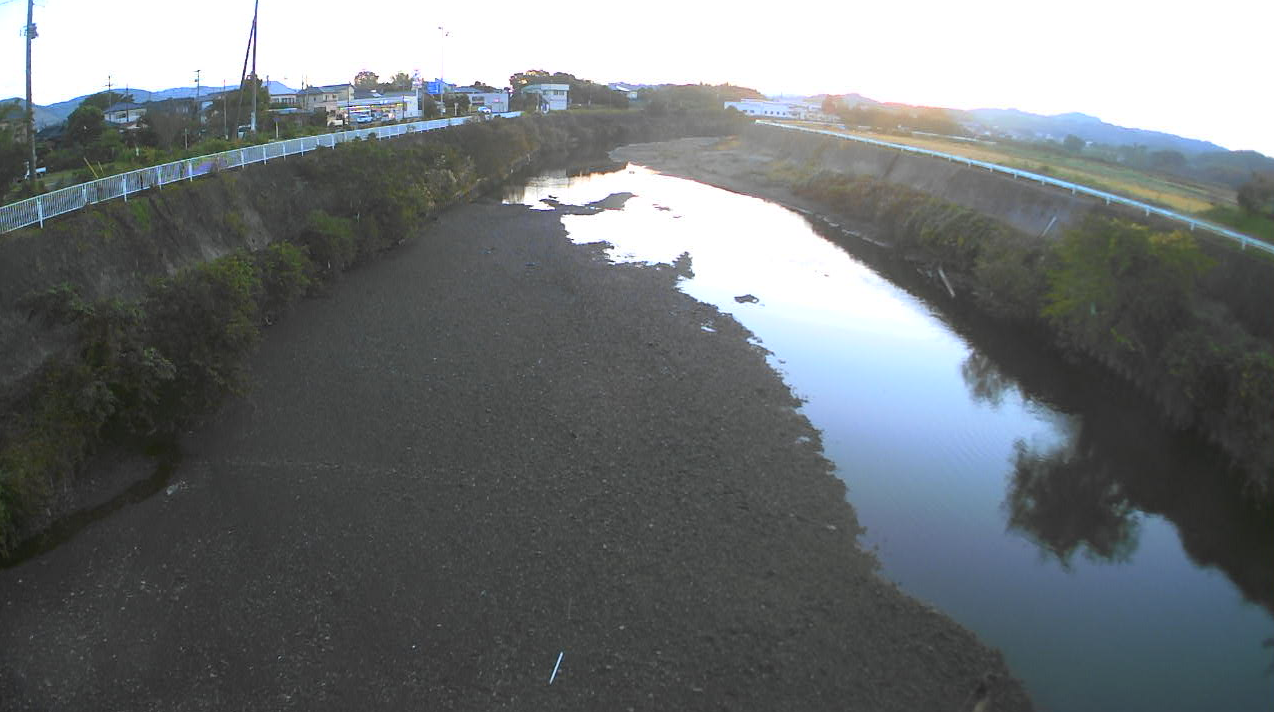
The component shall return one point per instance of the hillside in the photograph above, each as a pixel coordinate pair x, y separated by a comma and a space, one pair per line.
43, 116
58, 112
1021, 124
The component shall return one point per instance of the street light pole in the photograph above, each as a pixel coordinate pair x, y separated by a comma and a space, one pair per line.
442, 67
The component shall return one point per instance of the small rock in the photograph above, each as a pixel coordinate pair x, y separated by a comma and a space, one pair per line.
746, 298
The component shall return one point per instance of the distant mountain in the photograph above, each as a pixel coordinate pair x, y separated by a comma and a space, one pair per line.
1024, 125
57, 113
43, 117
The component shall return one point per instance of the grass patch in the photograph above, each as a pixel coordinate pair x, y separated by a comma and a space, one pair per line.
1256, 226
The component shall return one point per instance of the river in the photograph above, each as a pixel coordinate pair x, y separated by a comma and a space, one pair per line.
1041, 506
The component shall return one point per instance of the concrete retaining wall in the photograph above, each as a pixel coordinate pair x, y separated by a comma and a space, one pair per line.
1029, 207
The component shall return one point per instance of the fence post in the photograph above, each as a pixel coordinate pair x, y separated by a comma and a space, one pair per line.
39, 209
125, 187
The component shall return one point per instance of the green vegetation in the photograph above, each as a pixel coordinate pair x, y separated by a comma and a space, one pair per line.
1255, 225
1143, 303
582, 93
927, 119
13, 153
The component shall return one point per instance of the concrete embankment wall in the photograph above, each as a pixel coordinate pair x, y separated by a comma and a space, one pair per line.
1024, 205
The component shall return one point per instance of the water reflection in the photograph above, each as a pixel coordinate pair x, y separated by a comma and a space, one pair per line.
1085, 494
1065, 500
985, 381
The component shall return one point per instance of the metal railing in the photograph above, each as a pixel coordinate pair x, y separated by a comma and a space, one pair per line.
1074, 188
42, 207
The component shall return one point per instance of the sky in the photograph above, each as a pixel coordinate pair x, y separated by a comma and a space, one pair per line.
1199, 70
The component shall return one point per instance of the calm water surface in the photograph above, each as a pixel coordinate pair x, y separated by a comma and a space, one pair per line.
1043, 509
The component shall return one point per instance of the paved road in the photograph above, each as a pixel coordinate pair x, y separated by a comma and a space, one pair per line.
481, 451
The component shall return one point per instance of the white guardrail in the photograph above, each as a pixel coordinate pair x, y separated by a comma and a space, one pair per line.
64, 200
1193, 222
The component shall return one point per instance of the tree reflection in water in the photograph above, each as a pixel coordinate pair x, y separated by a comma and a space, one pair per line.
1065, 500
985, 381
1116, 462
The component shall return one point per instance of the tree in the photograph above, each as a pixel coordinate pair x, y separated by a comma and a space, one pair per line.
1073, 143
1167, 160
401, 81
934, 120
163, 125
1119, 288
318, 118
457, 104
13, 153
1256, 196
366, 79
105, 99
525, 101
428, 107
832, 105
234, 109
85, 124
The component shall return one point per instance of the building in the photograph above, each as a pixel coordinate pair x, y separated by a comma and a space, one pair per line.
495, 100
774, 109
327, 97
368, 106
285, 99
632, 91
124, 113
553, 97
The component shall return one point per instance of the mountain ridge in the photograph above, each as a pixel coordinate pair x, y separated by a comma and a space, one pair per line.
58, 112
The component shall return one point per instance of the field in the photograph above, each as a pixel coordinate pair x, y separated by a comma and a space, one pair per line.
1166, 191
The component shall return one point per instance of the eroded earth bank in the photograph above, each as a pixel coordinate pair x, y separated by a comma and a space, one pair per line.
486, 449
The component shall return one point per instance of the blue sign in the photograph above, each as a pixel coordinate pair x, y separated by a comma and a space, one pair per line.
436, 87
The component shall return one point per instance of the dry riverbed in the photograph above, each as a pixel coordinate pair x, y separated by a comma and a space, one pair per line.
486, 452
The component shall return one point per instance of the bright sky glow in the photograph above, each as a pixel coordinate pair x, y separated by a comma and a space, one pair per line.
1194, 69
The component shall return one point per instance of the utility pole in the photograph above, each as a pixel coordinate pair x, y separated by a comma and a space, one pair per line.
255, 3
30, 32
243, 79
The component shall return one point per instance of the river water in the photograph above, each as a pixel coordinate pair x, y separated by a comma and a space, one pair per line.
1042, 507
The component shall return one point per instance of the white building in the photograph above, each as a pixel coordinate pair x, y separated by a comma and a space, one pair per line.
496, 101
124, 113
774, 109
365, 107
554, 97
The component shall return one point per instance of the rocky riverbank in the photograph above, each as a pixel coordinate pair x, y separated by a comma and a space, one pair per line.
488, 453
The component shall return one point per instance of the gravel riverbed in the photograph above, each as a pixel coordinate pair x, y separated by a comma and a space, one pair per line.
487, 462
